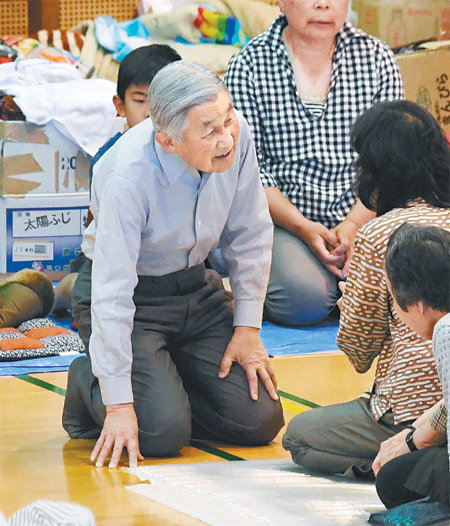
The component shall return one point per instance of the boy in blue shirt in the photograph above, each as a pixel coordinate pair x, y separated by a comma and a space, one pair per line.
136, 72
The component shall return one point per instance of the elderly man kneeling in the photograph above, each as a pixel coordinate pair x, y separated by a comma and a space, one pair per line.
170, 358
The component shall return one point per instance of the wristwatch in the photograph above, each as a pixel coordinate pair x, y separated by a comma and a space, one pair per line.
409, 439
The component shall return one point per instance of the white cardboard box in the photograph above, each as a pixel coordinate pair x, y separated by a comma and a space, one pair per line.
38, 160
41, 232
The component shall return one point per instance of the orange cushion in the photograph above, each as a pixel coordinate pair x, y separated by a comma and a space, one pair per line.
44, 332
10, 342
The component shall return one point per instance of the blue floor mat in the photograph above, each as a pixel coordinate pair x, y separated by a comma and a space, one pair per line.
283, 341
37, 365
279, 341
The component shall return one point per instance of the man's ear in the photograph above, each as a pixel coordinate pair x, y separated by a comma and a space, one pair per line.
166, 142
423, 308
119, 105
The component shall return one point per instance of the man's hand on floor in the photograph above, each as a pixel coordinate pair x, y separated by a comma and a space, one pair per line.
120, 430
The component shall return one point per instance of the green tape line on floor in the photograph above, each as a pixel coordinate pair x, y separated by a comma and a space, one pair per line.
298, 399
41, 383
214, 451
194, 443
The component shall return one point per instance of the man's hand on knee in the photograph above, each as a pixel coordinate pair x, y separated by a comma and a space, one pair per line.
120, 430
247, 349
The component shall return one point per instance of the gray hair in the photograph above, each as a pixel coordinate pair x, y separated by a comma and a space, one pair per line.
175, 89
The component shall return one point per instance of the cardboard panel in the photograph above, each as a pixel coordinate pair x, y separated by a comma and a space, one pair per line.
426, 75
402, 22
45, 160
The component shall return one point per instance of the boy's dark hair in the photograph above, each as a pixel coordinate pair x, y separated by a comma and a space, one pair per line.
403, 155
142, 64
417, 264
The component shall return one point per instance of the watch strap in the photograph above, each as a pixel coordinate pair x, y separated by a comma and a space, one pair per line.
409, 441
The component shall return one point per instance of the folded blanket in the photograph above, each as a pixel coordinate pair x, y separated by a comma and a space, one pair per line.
221, 28
71, 41
120, 38
254, 16
40, 89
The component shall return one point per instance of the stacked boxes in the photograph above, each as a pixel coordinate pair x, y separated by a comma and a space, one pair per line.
426, 75
44, 197
402, 22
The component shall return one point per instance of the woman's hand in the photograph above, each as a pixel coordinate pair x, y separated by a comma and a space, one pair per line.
323, 243
345, 233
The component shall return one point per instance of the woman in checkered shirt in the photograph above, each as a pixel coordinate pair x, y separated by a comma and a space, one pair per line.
300, 85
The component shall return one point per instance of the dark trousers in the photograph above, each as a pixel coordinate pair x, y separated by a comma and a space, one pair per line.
182, 326
423, 473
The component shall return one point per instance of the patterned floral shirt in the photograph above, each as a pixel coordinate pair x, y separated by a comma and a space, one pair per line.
406, 380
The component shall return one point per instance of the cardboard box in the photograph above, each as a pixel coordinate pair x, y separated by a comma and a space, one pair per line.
402, 22
426, 75
43, 233
38, 160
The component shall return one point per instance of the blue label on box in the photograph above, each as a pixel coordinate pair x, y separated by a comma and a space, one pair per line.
45, 239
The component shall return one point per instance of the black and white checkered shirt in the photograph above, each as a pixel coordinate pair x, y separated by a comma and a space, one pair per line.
439, 418
309, 157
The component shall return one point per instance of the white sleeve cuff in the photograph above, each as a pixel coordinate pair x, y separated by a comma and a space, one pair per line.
116, 390
248, 313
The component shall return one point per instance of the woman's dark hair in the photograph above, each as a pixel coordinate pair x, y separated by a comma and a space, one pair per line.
417, 264
403, 155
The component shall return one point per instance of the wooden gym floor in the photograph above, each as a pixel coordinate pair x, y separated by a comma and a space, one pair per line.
38, 460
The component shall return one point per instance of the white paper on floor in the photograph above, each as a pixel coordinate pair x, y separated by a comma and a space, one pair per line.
257, 492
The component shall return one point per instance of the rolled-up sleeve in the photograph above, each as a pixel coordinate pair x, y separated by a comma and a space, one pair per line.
389, 76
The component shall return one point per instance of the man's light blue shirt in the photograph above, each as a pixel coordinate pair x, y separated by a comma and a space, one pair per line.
153, 215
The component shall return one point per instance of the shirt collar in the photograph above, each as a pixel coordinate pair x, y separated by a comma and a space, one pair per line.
172, 165
274, 34
346, 34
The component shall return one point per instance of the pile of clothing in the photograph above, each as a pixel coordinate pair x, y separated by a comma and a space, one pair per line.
67, 79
